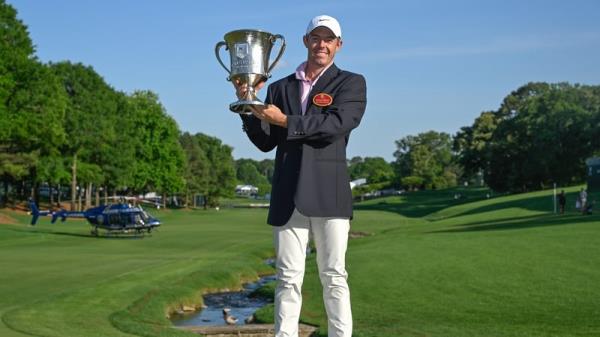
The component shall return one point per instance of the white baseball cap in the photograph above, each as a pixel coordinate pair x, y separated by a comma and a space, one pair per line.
325, 21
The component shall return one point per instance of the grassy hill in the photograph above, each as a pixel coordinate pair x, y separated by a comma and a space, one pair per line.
504, 266
432, 266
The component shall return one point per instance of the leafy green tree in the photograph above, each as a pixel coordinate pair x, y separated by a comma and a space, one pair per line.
267, 167
14, 166
16, 52
222, 175
197, 167
545, 134
116, 156
541, 134
39, 107
52, 170
413, 182
471, 144
247, 172
36, 111
427, 156
374, 169
32, 104
354, 160
159, 164
90, 117
89, 175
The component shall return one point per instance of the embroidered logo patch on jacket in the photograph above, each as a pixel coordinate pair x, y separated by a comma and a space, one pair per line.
322, 99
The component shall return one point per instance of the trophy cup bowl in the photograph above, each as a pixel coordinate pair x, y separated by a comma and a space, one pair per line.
249, 52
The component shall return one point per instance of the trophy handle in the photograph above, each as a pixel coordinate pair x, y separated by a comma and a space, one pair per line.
281, 49
217, 48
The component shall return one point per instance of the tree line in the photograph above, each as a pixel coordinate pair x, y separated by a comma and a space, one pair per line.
540, 135
63, 126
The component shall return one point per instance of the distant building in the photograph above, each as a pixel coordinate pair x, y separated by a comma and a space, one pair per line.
246, 190
358, 182
593, 177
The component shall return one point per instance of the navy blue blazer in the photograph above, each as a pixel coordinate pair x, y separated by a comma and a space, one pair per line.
311, 173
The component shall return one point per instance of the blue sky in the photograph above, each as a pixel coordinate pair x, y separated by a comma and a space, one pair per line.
429, 65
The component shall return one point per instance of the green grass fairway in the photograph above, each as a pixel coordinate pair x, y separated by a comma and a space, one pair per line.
433, 266
56, 280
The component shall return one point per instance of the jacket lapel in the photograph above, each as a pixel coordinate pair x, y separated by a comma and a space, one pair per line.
292, 92
325, 79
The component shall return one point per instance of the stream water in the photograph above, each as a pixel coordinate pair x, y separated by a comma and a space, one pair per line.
241, 303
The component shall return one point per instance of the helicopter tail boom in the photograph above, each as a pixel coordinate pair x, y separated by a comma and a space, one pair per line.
64, 214
35, 212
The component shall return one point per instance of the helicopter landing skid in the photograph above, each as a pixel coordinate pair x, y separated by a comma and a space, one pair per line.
125, 231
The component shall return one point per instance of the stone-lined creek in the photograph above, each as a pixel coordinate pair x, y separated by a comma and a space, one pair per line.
242, 304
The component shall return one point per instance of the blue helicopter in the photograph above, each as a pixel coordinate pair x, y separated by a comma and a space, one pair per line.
115, 218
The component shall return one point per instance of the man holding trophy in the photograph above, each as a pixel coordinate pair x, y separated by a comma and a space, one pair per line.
308, 117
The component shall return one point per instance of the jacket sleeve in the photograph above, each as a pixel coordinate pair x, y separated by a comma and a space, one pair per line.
338, 119
262, 135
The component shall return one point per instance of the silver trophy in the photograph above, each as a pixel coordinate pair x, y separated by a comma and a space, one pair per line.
249, 52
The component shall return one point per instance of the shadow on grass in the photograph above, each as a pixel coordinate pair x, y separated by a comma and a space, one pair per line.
524, 222
543, 203
33, 230
423, 203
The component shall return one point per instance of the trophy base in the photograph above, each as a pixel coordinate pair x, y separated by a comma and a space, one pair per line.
242, 107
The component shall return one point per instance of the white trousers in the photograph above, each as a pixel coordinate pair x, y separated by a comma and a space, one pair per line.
331, 240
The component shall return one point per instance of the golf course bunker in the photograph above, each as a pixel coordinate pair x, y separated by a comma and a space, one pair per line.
242, 305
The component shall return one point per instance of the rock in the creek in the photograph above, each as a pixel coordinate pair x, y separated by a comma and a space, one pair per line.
187, 308
249, 319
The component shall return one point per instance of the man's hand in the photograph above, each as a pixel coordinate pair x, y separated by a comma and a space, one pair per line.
270, 114
241, 90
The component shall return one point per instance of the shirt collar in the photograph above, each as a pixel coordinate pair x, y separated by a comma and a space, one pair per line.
301, 72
